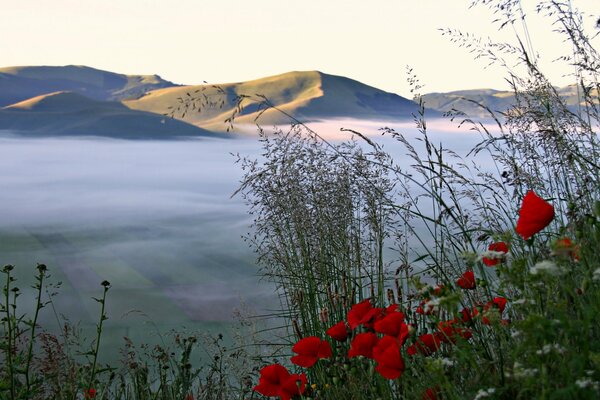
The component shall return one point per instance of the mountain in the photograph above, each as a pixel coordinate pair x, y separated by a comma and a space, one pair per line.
21, 83
496, 100
463, 100
71, 114
306, 95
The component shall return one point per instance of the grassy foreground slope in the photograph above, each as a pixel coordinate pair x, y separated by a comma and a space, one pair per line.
71, 114
305, 95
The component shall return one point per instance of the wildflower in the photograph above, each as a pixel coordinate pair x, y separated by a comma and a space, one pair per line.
89, 393
549, 348
467, 280
469, 314
431, 393
362, 345
564, 247
421, 310
189, 397
494, 309
275, 380
520, 372
392, 308
495, 254
483, 393
545, 266
583, 383
386, 352
426, 344
309, 350
535, 214
393, 325
362, 313
338, 331
446, 362
449, 331
428, 306
500, 302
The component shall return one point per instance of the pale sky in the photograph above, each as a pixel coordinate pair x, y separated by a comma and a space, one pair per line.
219, 41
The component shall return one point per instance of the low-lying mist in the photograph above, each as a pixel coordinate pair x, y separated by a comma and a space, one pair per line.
155, 218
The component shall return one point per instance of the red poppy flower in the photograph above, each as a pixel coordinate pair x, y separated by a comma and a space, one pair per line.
426, 344
275, 380
393, 325
189, 397
438, 289
309, 350
467, 280
387, 353
293, 386
469, 314
427, 310
363, 313
565, 247
89, 393
362, 345
500, 302
449, 331
392, 308
338, 331
499, 247
535, 215
431, 393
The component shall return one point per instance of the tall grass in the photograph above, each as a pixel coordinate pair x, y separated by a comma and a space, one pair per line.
324, 212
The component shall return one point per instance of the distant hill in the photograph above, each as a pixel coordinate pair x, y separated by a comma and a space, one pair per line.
71, 114
496, 100
21, 83
88, 101
307, 95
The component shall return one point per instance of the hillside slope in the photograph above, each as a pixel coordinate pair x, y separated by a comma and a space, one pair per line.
21, 83
307, 95
71, 114
496, 100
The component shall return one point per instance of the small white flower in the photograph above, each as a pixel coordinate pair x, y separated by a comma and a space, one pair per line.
433, 305
446, 362
519, 301
492, 255
549, 348
586, 383
520, 372
545, 266
515, 334
596, 275
483, 393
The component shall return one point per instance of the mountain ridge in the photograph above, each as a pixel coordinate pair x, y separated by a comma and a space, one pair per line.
72, 114
292, 96
304, 95
23, 82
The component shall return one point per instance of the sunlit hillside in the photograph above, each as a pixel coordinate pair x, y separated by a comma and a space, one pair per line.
21, 83
307, 95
